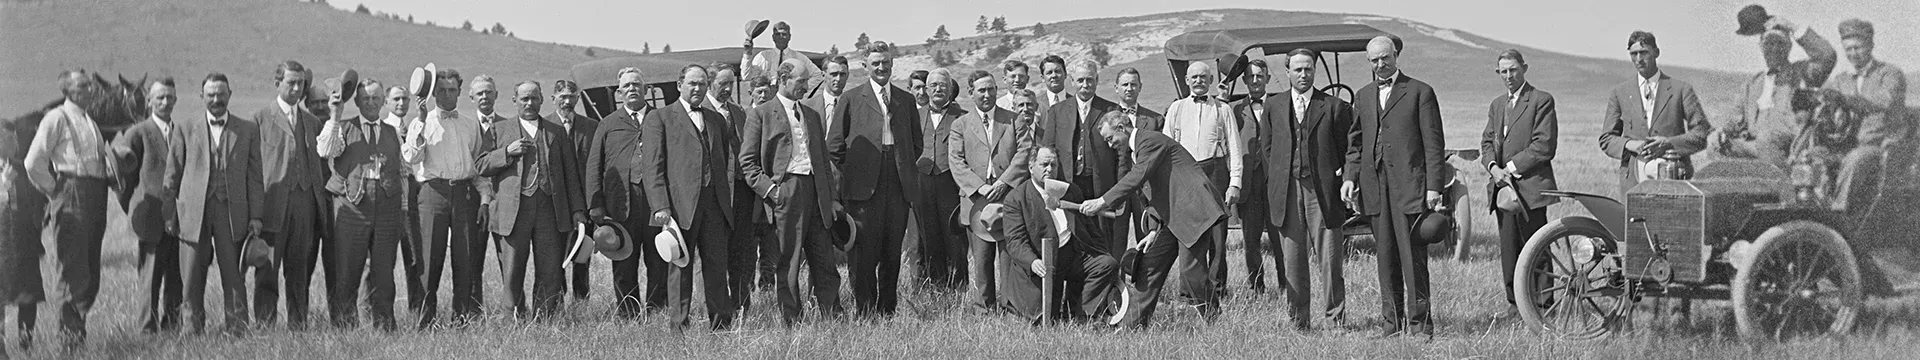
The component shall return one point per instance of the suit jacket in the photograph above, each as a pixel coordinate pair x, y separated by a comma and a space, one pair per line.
142, 154
1070, 134
191, 167
854, 142
1028, 222
768, 150
676, 160
827, 116
354, 165
289, 161
1399, 148
507, 172
1177, 193
1317, 161
611, 177
581, 134
1146, 119
968, 148
1525, 134
1676, 115
1879, 94
487, 141
1780, 119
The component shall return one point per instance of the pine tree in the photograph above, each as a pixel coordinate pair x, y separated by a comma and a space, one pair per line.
590, 51
499, 29
1100, 54
862, 42
467, 25
833, 50
942, 34
982, 26
999, 24
1039, 29
362, 9
666, 49
409, 18
646, 48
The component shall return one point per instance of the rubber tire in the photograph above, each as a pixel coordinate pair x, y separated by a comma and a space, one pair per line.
1537, 247
1778, 238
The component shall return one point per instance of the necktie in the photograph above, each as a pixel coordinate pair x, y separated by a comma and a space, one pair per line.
1646, 90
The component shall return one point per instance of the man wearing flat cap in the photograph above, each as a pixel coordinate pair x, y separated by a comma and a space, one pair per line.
1876, 92
1766, 127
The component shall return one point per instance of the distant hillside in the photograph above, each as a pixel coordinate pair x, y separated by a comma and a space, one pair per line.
244, 39
1458, 64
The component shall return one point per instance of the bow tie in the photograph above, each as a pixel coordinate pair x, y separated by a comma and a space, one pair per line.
217, 121
1384, 82
1199, 99
1129, 111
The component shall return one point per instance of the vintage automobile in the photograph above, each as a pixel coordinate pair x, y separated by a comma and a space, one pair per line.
1232, 49
659, 71
1766, 238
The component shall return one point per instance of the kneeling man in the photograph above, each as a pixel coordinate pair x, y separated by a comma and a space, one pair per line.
1034, 213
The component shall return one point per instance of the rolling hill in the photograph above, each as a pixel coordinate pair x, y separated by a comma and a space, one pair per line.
244, 39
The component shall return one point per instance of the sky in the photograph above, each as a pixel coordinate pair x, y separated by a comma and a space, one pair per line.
1696, 33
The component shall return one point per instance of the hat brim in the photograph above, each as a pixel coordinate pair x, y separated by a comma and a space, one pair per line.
986, 222
625, 239
349, 84
670, 245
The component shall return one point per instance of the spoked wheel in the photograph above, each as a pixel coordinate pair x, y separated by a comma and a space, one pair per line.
1568, 282
1802, 280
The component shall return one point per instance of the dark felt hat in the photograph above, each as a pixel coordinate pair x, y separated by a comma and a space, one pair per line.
1753, 20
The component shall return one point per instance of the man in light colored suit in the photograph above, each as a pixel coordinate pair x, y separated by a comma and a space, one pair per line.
141, 153
1768, 122
1877, 91
689, 182
1653, 117
295, 175
784, 155
217, 198
538, 200
366, 188
988, 152
1522, 136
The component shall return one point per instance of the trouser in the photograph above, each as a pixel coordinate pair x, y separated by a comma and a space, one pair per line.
743, 248
1291, 245
1083, 281
160, 273
365, 240
1157, 259
1254, 226
874, 260
1515, 229
446, 218
410, 247
218, 248
803, 238
1216, 256
1402, 263
534, 236
628, 299
1330, 250
1859, 179
75, 224
944, 244
296, 248
582, 281
982, 254
706, 241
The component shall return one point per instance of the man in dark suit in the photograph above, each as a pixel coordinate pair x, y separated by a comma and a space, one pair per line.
1655, 117
365, 187
1393, 174
1181, 206
295, 175
537, 201
141, 153
755, 229
1251, 115
1129, 86
875, 139
1305, 142
988, 150
688, 177
215, 197
1074, 131
1032, 215
615, 193
580, 129
831, 100
784, 156
943, 242
1523, 133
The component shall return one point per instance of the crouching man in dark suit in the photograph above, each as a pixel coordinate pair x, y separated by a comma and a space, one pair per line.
1085, 271
1180, 198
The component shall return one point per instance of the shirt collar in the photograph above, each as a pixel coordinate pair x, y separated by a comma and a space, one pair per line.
1655, 79
785, 103
1516, 93
1133, 141
688, 106
285, 108
1392, 78
482, 116
211, 118
879, 90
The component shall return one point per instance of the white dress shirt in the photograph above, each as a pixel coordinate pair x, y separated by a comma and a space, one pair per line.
1650, 89
886, 127
801, 163
1205, 128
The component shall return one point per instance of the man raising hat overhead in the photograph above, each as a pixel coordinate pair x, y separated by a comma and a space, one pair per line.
1768, 124
366, 188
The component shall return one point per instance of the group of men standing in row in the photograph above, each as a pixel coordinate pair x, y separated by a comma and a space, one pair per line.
1126, 193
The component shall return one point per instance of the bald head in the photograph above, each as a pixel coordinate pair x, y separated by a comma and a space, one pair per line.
1199, 78
1384, 55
